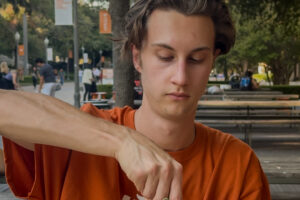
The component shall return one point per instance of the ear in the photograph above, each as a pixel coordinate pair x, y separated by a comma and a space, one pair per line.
136, 58
217, 53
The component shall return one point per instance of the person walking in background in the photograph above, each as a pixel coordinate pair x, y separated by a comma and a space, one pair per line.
61, 75
34, 76
9, 77
87, 80
47, 78
96, 73
80, 73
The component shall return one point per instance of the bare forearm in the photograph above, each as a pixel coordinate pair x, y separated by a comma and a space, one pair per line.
39, 119
41, 83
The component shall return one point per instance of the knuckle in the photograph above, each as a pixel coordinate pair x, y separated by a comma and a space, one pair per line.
148, 194
153, 169
167, 170
139, 174
179, 168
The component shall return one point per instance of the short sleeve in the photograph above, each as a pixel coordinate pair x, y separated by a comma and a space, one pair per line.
255, 185
19, 169
42, 72
35, 175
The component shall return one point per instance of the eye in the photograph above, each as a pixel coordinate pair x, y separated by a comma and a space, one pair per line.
195, 60
166, 58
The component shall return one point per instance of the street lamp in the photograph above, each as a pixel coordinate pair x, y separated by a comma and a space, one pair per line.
101, 58
17, 39
46, 42
82, 49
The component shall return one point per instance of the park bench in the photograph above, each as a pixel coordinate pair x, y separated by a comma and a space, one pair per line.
249, 96
259, 119
255, 92
246, 114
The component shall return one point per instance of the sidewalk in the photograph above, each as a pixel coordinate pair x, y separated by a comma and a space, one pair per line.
65, 94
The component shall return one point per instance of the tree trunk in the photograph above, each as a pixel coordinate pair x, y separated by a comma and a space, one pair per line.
280, 73
123, 71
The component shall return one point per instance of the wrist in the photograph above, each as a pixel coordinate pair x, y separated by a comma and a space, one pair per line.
121, 140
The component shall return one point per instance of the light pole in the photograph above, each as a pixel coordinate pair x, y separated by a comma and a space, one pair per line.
17, 38
82, 51
46, 42
100, 58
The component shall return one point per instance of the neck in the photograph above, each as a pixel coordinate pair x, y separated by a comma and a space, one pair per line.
169, 134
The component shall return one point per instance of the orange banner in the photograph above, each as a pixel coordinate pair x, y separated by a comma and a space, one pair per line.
105, 22
21, 50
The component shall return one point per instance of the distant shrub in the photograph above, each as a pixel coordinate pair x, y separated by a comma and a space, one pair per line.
106, 88
285, 89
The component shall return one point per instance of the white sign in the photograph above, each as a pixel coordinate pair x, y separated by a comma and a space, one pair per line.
49, 54
107, 76
85, 58
63, 12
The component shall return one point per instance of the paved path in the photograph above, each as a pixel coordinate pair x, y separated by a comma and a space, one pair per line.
282, 159
65, 94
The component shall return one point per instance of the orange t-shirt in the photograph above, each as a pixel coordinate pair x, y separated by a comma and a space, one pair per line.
215, 166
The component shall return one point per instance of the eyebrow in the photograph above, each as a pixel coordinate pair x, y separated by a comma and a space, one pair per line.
172, 49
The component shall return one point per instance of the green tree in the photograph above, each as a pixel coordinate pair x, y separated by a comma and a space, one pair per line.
267, 31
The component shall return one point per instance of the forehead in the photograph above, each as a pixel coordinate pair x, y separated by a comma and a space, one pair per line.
178, 30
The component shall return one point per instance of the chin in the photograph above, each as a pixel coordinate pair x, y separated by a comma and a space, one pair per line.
177, 112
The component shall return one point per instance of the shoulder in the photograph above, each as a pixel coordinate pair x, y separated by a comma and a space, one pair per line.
235, 163
117, 115
224, 145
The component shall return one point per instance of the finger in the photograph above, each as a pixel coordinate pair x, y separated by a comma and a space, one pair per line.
176, 184
151, 185
163, 188
139, 181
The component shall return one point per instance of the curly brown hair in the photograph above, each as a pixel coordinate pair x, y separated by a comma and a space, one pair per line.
138, 15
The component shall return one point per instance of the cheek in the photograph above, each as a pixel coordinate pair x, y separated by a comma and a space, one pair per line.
200, 78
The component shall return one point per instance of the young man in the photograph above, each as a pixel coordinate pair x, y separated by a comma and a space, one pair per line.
156, 152
47, 78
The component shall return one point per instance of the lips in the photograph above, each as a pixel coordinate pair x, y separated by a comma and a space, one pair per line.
178, 95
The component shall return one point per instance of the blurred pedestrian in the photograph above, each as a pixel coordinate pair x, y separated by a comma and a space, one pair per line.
9, 77
247, 82
47, 78
96, 73
80, 73
61, 75
34, 76
87, 80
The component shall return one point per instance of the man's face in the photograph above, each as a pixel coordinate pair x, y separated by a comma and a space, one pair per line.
39, 64
175, 62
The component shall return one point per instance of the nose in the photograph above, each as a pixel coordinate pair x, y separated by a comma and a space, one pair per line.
180, 75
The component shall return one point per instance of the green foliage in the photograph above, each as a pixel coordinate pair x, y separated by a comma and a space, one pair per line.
107, 89
217, 82
41, 25
267, 31
27, 80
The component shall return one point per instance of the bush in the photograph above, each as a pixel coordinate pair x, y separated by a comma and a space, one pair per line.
285, 89
27, 80
217, 82
106, 88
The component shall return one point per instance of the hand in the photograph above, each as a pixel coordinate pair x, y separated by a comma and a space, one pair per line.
153, 171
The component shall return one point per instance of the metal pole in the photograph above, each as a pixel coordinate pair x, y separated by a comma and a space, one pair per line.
76, 78
17, 54
46, 47
25, 42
